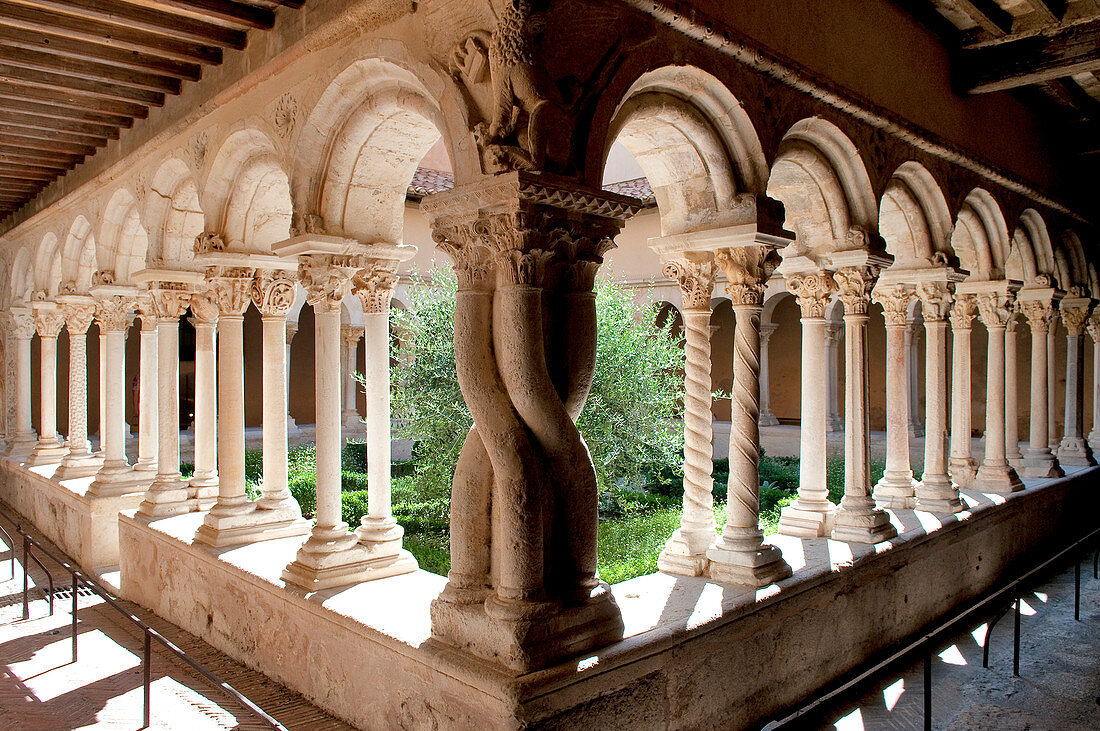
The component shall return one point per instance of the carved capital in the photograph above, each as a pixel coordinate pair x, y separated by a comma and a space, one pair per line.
351, 335
374, 285
834, 333
895, 300
22, 324
748, 270
1074, 318
291, 331
964, 311
1039, 315
1093, 326
696, 280
169, 300
78, 317
231, 288
114, 313
766, 333
995, 308
48, 322
935, 300
326, 279
812, 291
273, 293
203, 308
854, 285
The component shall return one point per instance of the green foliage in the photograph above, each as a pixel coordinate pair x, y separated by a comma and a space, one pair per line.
630, 421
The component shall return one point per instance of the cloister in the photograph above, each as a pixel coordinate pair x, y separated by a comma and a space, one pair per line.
833, 264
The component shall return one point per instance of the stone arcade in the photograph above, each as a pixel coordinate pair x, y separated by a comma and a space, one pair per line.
849, 246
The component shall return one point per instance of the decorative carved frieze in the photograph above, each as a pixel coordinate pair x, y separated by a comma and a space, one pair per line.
22, 325
169, 300
326, 279
812, 291
103, 277
273, 292
1093, 326
1039, 315
351, 335
203, 308
1074, 317
209, 241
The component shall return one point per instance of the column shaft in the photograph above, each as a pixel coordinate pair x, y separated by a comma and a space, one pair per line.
1052, 389
275, 489
231, 446
1073, 449
1012, 411
379, 524
149, 406
78, 462
896, 489
206, 409
936, 493
996, 474
24, 430
961, 464
767, 418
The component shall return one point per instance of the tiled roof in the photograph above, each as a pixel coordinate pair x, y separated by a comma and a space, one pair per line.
425, 182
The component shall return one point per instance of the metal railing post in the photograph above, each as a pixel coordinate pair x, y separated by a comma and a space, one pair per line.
26, 577
1077, 590
76, 584
147, 662
1016, 640
928, 690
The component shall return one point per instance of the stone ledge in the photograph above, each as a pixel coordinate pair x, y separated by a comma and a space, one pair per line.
373, 640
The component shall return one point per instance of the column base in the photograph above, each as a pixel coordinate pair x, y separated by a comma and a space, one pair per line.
748, 566
999, 478
202, 492
685, 554
166, 496
351, 422
897, 492
937, 495
115, 480
1040, 464
379, 531
524, 641
916, 431
962, 471
807, 519
75, 465
251, 526
834, 424
871, 526
1094, 440
21, 446
47, 452
767, 418
333, 557
1074, 451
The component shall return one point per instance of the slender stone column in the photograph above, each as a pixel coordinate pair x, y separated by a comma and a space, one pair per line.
231, 288
48, 321
22, 330
203, 486
834, 336
1074, 450
811, 514
114, 315
291, 426
168, 494
1012, 410
685, 553
1038, 307
912, 358
996, 474
1052, 385
378, 530
102, 388
1093, 326
767, 418
148, 398
740, 556
857, 518
962, 465
79, 461
936, 493
331, 556
277, 512
349, 338
897, 488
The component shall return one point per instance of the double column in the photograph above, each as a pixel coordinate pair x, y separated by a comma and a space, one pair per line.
936, 493
995, 303
897, 488
858, 519
114, 315
961, 464
685, 553
48, 321
1093, 326
147, 464
811, 514
79, 460
1074, 450
349, 338
1037, 305
22, 328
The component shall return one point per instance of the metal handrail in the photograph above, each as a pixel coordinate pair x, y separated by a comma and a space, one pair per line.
149, 634
929, 640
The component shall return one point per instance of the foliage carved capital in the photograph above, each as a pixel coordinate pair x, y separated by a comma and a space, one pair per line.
273, 293
812, 291
696, 280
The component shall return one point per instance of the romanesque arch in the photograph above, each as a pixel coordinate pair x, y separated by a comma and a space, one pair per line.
246, 195
175, 215
78, 256
122, 239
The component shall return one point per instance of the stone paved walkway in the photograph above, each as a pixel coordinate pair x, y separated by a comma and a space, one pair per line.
1058, 688
41, 689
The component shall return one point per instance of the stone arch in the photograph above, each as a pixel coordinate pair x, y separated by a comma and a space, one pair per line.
823, 184
351, 311
361, 145
980, 237
770, 304
696, 145
22, 276
296, 306
174, 213
78, 256
123, 240
914, 219
1030, 255
1077, 264
47, 265
246, 197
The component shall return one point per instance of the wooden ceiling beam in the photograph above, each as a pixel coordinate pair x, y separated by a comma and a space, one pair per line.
987, 14
51, 135
108, 34
22, 175
34, 143
59, 112
95, 132
16, 183
154, 21
33, 77
232, 13
40, 156
1032, 60
89, 70
1050, 11
86, 51
74, 101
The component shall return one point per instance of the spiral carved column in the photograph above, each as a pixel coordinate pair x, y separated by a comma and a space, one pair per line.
740, 555
525, 498
79, 461
1074, 450
685, 552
